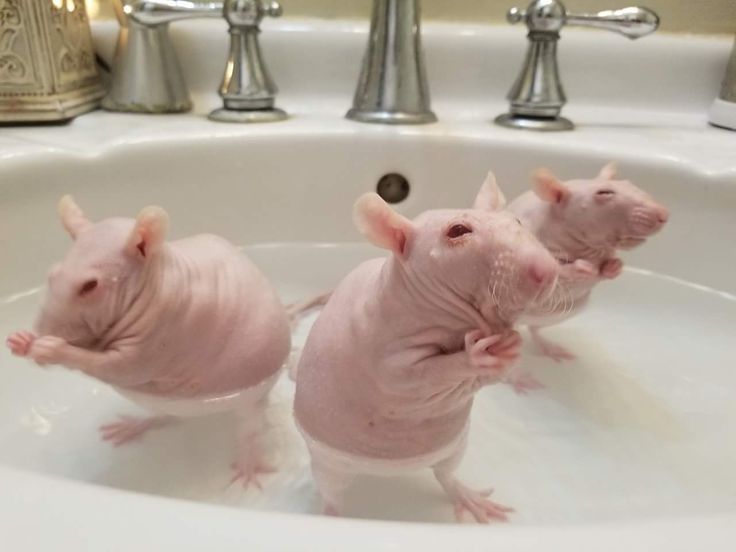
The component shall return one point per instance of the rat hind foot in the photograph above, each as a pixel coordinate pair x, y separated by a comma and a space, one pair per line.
477, 503
250, 461
250, 471
130, 428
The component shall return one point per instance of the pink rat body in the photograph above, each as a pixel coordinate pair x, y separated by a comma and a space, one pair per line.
387, 377
584, 224
184, 328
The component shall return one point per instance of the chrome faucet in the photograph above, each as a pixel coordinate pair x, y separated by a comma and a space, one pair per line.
147, 77
392, 88
723, 111
537, 95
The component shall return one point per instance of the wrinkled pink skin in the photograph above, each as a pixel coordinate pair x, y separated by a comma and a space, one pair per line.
188, 319
583, 223
391, 365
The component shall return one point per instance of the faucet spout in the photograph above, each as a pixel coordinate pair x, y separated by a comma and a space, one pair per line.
392, 88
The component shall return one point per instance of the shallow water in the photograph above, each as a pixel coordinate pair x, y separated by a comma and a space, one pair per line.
642, 424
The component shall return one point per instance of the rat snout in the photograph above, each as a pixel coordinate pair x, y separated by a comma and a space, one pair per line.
54, 272
648, 219
542, 270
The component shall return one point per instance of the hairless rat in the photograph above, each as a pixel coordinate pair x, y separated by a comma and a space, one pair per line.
388, 374
184, 328
583, 223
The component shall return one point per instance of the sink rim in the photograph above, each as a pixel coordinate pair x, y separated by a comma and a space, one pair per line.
50, 499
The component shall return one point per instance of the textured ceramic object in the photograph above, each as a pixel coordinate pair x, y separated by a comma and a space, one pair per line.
47, 61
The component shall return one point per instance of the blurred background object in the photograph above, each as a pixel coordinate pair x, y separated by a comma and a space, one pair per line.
48, 70
704, 16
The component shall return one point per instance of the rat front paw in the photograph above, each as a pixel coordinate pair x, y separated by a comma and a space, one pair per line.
611, 268
20, 343
579, 270
497, 352
46, 350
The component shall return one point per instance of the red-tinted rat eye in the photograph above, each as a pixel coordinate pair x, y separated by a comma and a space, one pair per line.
88, 287
457, 230
605, 192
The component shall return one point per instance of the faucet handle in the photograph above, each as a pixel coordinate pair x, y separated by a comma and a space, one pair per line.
247, 90
273, 9
537, 95
159, 12
632, 22
250, 13
551, 15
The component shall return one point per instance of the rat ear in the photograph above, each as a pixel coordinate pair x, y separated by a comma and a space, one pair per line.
548, 187
490, 197
149, 232
609, 171
72, 217
382, 225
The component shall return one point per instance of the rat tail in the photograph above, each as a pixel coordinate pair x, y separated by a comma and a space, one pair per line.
297, 309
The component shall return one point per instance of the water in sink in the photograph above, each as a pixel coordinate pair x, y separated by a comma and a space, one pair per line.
642, 424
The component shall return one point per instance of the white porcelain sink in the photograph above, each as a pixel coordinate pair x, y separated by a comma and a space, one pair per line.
635, 439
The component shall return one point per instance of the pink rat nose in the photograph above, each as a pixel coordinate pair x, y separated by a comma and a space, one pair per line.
663, 215
543, 270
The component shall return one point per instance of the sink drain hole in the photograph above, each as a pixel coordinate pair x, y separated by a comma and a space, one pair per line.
393, 188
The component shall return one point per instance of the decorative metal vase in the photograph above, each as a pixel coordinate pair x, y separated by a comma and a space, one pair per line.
47, 61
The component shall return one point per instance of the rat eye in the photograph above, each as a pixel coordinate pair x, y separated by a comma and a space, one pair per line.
88, 287
457, 230
605, 193
517, 220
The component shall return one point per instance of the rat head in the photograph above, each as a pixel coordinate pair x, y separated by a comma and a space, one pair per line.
482, 257
102, 272
602, 212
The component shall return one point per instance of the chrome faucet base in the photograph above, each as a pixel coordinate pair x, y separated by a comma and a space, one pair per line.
537, 96
147, 76
722, 113
509, 120
248, 92
391, 117
223, 115
392, 88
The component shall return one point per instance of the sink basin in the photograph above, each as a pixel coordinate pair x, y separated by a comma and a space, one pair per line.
635, 438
